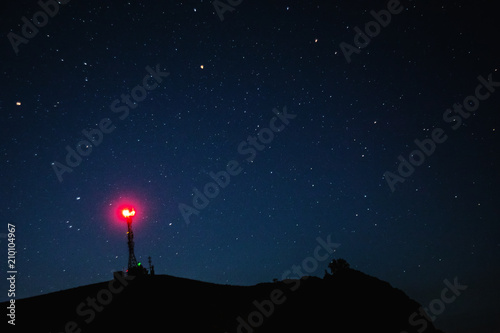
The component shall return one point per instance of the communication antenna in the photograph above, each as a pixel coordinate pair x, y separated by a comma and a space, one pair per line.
128, 213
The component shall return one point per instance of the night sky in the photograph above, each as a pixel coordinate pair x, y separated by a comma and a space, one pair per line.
312, 124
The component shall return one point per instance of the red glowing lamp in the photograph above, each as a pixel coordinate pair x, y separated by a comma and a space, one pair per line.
128, 212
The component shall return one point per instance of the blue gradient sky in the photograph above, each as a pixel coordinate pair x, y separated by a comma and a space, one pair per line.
321, 175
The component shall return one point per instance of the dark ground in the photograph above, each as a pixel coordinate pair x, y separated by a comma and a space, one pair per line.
349, 301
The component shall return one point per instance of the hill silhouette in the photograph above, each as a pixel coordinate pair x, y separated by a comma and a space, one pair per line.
347, 301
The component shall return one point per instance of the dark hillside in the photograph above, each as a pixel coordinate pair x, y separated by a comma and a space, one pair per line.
348, 301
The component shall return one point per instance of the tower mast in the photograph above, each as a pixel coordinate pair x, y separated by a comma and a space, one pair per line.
132, 262
128, 213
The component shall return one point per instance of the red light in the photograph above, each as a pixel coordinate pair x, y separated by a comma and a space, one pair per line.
128, 212
117, 210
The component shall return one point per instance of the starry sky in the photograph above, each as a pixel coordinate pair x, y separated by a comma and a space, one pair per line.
307, 115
